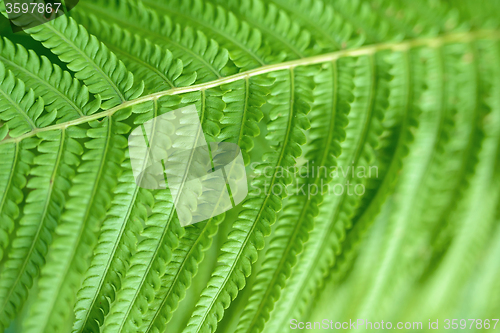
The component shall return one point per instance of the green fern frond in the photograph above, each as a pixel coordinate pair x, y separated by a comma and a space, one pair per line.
92, 62
19, 109
80, 222
119, 231
327, 26
290, 105
15, 167
50, 173
369, 101
282, 32
328, 119
200, 54
61, 92
148, 61
244, 43
146, 267
179, 273
408, 94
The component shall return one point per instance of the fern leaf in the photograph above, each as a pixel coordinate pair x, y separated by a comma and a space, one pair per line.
200, 54
92, 62
84, 248
84, 211
244, 43
328, 121
361, 15
330, 30
53, 167
61, 93
179, 272
247, 96
115, 247
365, 115
240, 251
18, 108
451, 277
283, 32
408, 18
448, 59
242, 113
143, 277
149, 62
403, 114
452, 182
160, 238
112, 253
14, 168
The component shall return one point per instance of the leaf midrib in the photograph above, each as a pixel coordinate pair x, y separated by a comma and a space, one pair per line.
364, 50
